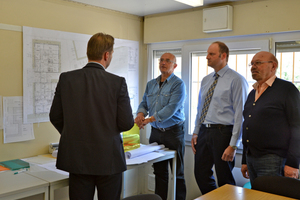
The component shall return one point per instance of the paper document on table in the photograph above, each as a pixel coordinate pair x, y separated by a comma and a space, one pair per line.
40, 159
51, 166
144, 158
143, 150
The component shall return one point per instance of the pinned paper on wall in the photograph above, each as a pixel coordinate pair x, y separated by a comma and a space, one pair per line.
48, 53
13, 128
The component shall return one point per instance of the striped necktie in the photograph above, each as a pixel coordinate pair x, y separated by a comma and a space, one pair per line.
208, 98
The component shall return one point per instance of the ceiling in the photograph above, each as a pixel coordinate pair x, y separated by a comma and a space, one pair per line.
144, 7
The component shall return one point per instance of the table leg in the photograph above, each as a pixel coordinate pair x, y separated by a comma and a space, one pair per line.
173, 187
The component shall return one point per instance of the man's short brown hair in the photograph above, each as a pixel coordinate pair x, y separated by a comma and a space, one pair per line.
98, 44
223, 49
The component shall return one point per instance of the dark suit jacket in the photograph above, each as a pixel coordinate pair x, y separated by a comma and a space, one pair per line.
90, 109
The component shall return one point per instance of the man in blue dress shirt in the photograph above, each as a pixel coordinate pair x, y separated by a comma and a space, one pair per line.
216, 137
163, 102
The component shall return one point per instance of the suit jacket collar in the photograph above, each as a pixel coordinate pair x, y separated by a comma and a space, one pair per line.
94, 65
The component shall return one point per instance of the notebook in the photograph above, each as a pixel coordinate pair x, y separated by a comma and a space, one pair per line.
15, 164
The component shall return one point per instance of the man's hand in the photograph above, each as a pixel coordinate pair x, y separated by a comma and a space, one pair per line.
146, 121
228, 154
291, 172
244, 171
139, 120
194, 142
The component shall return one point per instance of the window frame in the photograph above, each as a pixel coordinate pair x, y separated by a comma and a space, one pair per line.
259, 45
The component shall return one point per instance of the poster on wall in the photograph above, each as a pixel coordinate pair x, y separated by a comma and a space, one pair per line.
48, 53
14, 130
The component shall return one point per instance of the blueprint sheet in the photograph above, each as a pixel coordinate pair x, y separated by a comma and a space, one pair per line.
14, 130
48, 53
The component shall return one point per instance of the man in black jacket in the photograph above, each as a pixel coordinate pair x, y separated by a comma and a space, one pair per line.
90, 109
271, 128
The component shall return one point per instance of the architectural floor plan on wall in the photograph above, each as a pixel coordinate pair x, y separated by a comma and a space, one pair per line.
47, 53
14, 130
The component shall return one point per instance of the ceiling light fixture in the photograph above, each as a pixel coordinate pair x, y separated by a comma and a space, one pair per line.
193, 3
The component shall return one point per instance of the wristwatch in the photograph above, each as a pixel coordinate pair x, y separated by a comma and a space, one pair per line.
234, 147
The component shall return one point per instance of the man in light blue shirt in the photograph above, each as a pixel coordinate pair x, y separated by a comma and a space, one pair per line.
163, 102
215, 139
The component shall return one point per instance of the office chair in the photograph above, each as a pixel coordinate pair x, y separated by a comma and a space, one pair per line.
279, 185
144, 197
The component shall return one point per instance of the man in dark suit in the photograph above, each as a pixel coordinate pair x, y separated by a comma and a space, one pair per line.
90, 109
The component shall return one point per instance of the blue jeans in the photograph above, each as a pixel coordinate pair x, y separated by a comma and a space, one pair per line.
267, 165
174, 140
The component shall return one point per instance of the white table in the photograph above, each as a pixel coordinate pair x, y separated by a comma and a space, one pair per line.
45, 181
16, 186
169, 154
54, 179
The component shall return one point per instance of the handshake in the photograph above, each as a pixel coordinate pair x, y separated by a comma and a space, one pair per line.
141, 121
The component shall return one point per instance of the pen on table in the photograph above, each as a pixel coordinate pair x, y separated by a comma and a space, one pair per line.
21, 171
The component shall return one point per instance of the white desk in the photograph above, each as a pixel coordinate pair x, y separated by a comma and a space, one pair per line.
169, 154
21, 185
44, 181
54, 179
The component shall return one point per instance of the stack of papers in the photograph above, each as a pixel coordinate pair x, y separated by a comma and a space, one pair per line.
144, 154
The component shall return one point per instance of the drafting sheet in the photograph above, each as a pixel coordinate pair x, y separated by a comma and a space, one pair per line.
143, 158
51, 166
48, 53
144, 149
14, 130
144, 154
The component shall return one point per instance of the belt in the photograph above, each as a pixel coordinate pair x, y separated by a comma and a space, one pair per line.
169, 128
216, 125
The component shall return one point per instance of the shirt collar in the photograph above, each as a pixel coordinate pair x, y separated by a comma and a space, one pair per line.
222, 71
269, 82
98, 64
168, 79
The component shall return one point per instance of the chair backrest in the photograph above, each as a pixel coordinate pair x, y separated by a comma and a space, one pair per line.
279, 185
144, 197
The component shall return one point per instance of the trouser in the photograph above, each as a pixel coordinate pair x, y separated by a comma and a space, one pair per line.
174, 140
82, 187
266, 165
211, 144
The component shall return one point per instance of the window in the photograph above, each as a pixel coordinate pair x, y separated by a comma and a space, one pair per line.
192, 66
288, 55
240, 55
238, 61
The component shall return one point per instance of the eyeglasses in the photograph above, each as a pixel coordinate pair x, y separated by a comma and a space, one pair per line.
166, 60
258, 63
